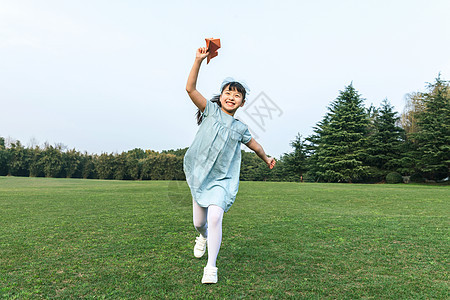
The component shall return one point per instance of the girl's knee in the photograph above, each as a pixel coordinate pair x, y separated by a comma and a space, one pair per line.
199, 215
199, 224
215, 215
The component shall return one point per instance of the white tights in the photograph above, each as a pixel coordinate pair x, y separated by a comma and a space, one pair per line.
208, 221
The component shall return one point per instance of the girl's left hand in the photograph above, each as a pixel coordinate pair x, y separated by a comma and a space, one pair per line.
271, 162
202, 53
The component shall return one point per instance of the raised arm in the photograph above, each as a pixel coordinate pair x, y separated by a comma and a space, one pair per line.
191, 86
258, 149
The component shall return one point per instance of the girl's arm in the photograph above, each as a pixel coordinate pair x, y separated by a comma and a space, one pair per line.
255, 146
191, 89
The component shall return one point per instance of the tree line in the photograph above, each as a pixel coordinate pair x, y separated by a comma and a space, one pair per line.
355, 144
350, 144
137, 164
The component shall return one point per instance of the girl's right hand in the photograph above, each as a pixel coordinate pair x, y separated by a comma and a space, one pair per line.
202, 53
271, 162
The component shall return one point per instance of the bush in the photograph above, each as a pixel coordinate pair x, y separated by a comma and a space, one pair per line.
373, 175
394, 177
417, 178
309, 177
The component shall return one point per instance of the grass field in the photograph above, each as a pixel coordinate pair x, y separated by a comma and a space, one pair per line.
73, 238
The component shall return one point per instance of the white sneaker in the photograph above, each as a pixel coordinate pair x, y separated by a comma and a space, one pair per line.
200, 246
209, 275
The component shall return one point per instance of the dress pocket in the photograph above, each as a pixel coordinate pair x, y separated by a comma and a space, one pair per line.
235, 136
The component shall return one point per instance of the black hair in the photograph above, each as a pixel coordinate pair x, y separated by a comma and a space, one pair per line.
233, 86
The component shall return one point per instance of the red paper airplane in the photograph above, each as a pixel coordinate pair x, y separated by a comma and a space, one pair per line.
212, 45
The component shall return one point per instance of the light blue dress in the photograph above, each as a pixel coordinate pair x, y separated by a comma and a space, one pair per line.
213, 161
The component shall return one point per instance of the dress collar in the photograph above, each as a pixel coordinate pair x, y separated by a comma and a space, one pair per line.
220, 108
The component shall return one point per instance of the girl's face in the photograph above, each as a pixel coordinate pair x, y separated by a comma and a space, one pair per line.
231, 100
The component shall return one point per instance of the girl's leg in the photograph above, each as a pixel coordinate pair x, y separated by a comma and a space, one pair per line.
215, 216
199, 218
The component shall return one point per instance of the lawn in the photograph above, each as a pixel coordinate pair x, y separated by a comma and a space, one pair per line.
74, 238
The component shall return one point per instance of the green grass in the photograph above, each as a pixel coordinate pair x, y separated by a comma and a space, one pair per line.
73, 238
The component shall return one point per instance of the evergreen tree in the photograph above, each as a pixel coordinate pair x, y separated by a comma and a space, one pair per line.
71, 163
51, 160
433, 136
408, 162
120, 166
280, 172
137, 153
147, 166
87, 166
249, 166
178, 152
18, 159
36, 165
104, 165
385, 141
4, 157
295, 162
178, 168
134, 165
339, 140
253, 168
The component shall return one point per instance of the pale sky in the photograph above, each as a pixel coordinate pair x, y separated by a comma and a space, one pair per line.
110, 76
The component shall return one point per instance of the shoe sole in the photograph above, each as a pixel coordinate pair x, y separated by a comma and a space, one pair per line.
200, 255
209, 282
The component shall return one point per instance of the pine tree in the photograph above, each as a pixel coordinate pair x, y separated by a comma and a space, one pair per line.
295, 162
433, 136
338, 143
384, 149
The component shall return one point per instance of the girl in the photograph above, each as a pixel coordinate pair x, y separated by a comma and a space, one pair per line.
212, 163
